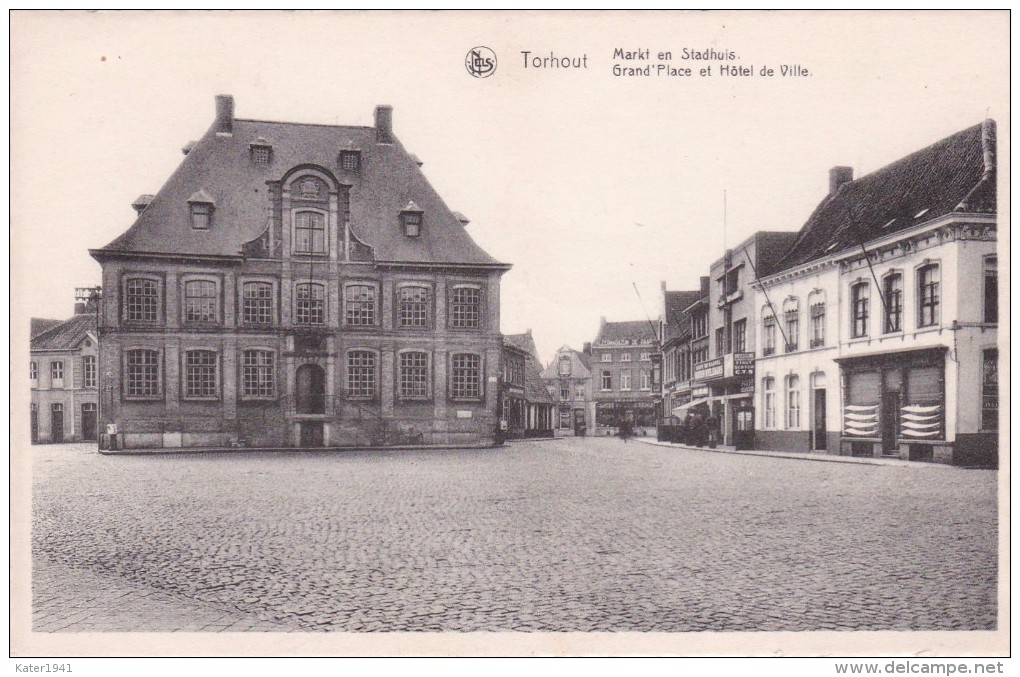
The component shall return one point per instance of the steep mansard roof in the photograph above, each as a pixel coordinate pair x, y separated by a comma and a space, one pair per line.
956, 174
220, 167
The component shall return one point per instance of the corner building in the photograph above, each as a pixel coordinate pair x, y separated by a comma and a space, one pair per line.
298, 285
893, 281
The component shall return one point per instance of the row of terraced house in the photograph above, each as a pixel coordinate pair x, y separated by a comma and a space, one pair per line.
872, 331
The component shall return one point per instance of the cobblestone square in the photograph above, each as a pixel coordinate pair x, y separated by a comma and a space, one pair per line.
566, 535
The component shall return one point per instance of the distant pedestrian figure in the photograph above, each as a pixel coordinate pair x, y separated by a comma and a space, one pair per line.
626, 430
699, 431
712, 424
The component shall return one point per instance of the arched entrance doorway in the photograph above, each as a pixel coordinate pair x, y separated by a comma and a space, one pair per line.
310, 398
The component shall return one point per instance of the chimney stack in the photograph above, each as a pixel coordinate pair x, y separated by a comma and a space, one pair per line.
141, 202
587, 348
384, 124
838, 176
224, 114
79, 308
705, 283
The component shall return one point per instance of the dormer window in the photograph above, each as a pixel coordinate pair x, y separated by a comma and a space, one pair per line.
411, 220
261, 151
201, 206
350, 160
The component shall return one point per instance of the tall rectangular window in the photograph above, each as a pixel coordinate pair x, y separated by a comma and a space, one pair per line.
466, 382
769, 388
414, 306
792, 402
141, 300
33, 371
792, 330
625, 357
258, 376
607, 380
740, 336
309, 233
768, 335
360, 304
720, 342
859, 309
646, 380
564, 366
991, 313
817, 325
258, 303
311, 304
361, 374
928, 293
892, 290
57, 371
200, 374
142, 378
990, 390
466, 307
200, 302
414, 375
88, 363
625, 379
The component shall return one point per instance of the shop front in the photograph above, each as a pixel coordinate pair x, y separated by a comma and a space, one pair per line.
894, 404
614, 413
729, 380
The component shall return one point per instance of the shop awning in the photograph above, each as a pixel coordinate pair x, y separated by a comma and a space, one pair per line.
693, 403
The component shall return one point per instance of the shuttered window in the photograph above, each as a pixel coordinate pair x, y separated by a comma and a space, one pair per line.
924, 385
864, 387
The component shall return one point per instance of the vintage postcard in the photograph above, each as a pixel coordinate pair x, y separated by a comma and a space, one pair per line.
510, 333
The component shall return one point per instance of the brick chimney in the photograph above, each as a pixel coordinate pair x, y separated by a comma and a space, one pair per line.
141, 202
838, 176
79, 308
224, 114
384, 124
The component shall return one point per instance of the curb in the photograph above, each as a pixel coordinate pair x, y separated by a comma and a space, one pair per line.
166, 451
825, 458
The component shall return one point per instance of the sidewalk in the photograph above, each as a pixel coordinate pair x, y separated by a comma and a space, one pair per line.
830, 458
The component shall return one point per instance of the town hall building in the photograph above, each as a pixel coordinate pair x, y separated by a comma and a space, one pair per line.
298, 285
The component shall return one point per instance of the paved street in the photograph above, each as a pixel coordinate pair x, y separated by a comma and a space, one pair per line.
565, 535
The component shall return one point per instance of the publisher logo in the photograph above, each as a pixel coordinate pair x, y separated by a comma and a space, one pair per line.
480, 62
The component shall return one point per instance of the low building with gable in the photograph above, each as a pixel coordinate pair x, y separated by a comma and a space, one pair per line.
63, 374
568, 380
527, 408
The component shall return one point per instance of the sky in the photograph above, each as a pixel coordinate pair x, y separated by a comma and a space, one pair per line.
595, 187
